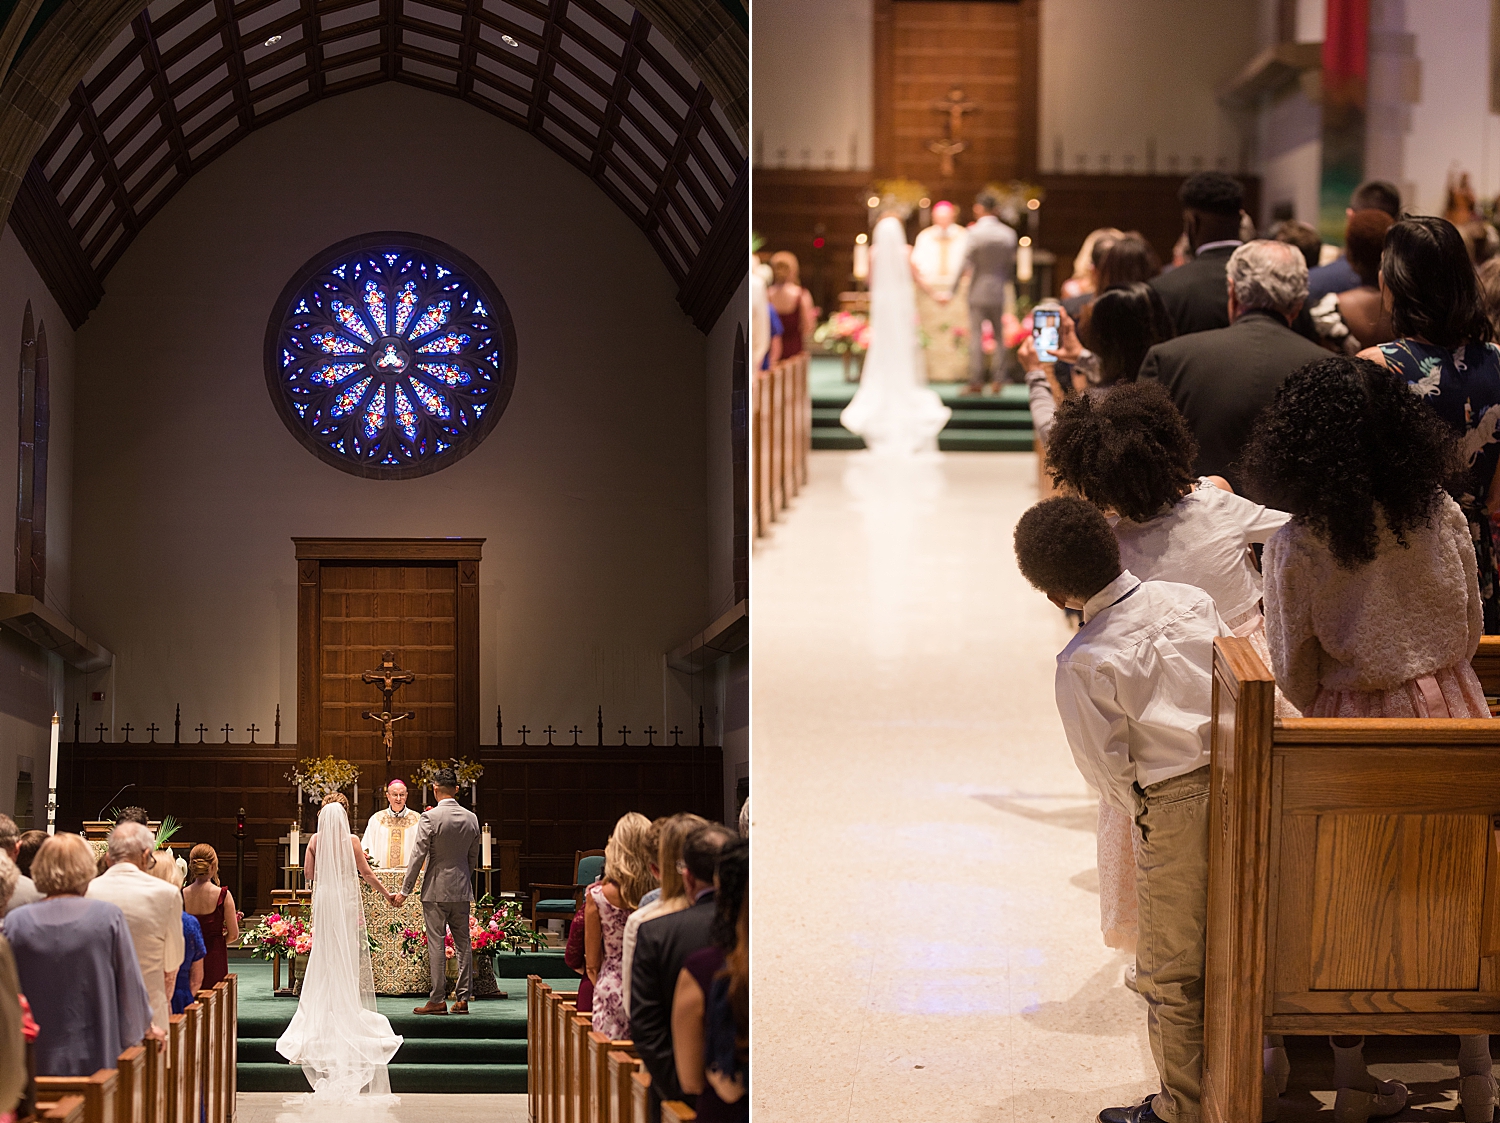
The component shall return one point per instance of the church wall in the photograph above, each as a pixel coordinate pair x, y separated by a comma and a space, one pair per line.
590, 491
31, 681
1171, 55
811, 84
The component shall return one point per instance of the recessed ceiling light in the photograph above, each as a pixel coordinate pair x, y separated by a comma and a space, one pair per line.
509, 42
273, 40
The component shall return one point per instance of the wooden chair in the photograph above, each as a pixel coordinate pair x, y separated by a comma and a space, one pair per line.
675, 1111
98, 1092
130, 1092
640, 1096
564, 900
622, 1067
596, 1074
1354, 877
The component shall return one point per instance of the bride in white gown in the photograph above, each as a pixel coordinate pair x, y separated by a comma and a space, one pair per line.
342, 1043
894, 410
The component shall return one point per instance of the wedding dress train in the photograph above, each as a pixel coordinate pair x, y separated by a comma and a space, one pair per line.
894, 410
342, 1043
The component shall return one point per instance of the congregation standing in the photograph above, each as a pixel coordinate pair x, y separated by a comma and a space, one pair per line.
1305, 455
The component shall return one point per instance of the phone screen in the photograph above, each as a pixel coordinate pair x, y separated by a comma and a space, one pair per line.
1046, 323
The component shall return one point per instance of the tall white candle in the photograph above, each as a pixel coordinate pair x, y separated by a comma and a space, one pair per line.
1023, 261
861, 261
295, 841
52, 777
484, 848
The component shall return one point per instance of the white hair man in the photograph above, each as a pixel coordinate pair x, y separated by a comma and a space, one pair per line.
25, 890
1222, 379
391, 833
152, 908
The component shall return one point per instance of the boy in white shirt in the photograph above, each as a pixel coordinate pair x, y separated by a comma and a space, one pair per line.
1134, 689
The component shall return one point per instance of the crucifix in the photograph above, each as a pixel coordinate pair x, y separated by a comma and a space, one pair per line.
951, 143
388, 678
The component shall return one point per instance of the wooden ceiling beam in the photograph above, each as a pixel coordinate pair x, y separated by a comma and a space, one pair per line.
640, 27
391, 9
167, 107
540, 84
229, 34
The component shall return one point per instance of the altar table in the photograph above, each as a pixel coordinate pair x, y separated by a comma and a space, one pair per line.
395, 973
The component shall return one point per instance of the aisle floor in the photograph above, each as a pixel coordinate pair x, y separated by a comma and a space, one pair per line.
927, 910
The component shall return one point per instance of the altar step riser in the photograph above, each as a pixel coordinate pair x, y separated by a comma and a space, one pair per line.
452, 1079
432, 1051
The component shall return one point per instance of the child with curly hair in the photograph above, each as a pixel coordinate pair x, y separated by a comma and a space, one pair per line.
1372, 595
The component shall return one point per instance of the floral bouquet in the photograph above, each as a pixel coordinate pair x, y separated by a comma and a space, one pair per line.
844, 333
468, 771
502, 930
318, 776
279, 935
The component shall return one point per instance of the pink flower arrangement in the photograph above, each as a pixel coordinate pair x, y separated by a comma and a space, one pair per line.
844, 332
279, 935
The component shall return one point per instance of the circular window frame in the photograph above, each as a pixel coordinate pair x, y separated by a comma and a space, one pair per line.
383, 242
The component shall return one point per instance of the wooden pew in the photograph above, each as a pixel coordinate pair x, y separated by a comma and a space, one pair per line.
561, 1005
232, 1041
186, 1082
68, 1109
98, 1092
675, 1111
596, 1074
535, 1061
130, 1093
622, 1068
1354, 877
578, 1040
640, 1096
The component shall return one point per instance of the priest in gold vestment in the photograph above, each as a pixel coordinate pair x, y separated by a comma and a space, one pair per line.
390, 834
937, 263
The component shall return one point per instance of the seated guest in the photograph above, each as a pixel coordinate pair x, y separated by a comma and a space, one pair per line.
12, 1042
701, 973
669, 896
190, 975
1194, 293
77, 966
212, 907
152, 908
25, 891
661, 949
606, 906
1222, 379
1356, 318
26, 848
1443, 351
1303, 235
1340, 275
1134, 689
1371, 594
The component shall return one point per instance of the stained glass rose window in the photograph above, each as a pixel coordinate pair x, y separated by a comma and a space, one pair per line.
390, 355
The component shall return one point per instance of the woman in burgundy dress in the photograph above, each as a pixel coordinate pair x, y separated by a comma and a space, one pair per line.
793, 303
213, 908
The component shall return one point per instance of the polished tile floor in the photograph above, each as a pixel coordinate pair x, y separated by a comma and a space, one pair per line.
271, 1107
925, 894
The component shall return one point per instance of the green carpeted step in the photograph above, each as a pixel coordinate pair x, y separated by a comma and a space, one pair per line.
830, 437
451, 1079
984, 440
414, 1051
990, 418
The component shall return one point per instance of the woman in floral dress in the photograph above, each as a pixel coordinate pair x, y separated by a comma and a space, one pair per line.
607, 904
1443, 350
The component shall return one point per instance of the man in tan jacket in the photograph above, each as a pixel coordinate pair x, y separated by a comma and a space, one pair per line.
152, 908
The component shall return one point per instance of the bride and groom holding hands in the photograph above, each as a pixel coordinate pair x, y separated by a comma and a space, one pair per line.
338, 1037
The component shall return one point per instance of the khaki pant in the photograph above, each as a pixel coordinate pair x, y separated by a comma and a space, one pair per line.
1172, 887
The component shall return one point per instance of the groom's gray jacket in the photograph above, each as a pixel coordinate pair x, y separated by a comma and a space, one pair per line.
448, 841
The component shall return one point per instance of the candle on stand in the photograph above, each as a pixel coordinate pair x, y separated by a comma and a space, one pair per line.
862, 258
484, 848
1023, 261
294, 840
52, 777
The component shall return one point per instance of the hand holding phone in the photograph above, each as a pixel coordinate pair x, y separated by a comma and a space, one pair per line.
1046, 330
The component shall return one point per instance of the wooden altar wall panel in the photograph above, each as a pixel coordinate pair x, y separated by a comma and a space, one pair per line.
413, 611
560, 799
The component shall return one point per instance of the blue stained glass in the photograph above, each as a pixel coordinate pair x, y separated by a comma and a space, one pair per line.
406, 416
390, 458
449, 373
441, 272
450, 344
340, 270
335, 344
390, 258
302, 307
375, 302
406, 303
332, 373
375, 413
479, 308
351, 320
286, 358
433, 402
478, 408
301, 408
432, 319
349, 398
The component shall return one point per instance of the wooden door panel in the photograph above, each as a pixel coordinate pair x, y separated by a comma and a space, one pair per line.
1398, 902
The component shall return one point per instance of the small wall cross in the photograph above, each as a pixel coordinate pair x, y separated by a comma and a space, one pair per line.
100, 728
202, 729
549, 731
228, 729
650, 734
127, 728
523, 731
676, 733
151, 729
576, 732
253, 731
624, 736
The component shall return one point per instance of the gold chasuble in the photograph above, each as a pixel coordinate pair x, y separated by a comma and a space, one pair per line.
389, 838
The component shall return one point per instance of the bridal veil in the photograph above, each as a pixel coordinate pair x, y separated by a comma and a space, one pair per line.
342, 1043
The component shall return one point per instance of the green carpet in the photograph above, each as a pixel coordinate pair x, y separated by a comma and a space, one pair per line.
483, 1052
985, 424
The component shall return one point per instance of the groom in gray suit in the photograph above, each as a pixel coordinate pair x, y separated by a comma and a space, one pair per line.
448, 841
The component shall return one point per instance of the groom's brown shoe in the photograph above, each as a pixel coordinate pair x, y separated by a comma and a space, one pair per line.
460, 1007
433, 1008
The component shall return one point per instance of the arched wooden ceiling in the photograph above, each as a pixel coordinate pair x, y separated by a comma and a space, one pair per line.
187, 79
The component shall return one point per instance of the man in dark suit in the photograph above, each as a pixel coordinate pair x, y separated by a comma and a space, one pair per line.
1338, 275
662, 945
1195, 293
1222, 379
